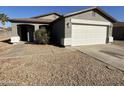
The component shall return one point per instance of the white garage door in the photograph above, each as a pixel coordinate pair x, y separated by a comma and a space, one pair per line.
88, 34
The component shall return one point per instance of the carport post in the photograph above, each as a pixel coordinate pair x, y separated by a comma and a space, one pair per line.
28, 36
14, 29
36, 27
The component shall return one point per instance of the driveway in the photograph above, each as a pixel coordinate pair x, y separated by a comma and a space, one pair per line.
112, 54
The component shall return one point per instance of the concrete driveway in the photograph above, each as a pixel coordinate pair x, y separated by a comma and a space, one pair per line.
112, 54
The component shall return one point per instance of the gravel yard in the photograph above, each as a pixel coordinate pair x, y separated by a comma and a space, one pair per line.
29, 64
50, 65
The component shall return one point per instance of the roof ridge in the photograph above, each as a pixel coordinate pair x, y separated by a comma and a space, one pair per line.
46, 15
82, 10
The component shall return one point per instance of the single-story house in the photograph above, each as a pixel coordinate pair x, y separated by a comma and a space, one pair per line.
118, 31
84, 27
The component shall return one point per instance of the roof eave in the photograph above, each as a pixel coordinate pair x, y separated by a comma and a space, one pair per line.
21, 21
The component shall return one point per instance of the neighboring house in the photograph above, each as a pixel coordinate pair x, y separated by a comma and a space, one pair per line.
5, 29
2, 29
85, 27
118, 31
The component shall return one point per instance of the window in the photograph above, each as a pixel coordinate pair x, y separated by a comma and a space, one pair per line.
43, 27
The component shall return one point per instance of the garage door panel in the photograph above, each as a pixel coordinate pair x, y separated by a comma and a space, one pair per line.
88, 34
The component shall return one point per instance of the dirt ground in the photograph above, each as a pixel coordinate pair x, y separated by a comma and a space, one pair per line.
30, 64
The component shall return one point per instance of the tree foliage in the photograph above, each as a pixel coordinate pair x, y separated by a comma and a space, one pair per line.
3, 18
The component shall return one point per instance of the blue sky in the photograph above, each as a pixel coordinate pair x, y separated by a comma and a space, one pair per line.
29, 11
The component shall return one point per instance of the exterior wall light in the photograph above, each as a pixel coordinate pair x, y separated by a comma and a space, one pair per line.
68, 25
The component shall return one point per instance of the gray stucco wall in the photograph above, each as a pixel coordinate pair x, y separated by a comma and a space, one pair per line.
14, 29
90, 16
86, 16
57, 32
68, 29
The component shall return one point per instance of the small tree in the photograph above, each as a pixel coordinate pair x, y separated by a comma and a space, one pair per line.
3, 19
41, 36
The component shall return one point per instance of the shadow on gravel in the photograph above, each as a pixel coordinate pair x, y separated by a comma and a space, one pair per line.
6, 41
34, 43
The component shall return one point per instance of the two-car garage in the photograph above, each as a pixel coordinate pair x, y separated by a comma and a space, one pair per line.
88, 33
85, 27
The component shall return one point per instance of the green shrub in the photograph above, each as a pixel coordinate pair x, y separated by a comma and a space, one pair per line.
41, 36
